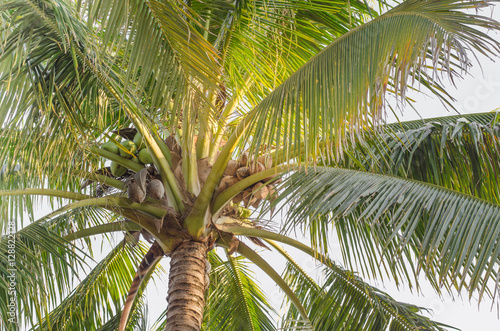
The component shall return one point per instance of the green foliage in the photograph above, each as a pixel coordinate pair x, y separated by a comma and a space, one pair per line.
294, 78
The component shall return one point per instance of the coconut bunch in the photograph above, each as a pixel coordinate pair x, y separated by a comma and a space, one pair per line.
133, 149
238, 170
145, 182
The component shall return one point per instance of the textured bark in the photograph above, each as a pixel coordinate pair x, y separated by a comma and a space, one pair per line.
186, 288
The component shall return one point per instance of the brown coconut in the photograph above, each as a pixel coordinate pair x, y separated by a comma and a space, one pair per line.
140, 178
243, 172
266, 160
135, 193
155, 189
260, 191
226, 182
231, 168
256, 168
248, 197
244, 159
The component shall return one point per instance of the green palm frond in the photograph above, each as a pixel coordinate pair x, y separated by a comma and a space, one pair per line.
107, 282
491, 118
234, 300
344, 86
459, 152
345, 302
43, 266
449, 235
138, 319
259, 33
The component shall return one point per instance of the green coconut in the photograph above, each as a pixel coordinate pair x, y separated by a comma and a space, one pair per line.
136, 160
130, 149
117, 170
144, 156
138, 141
111, 147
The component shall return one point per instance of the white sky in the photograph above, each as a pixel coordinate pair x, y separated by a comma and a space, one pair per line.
479, 93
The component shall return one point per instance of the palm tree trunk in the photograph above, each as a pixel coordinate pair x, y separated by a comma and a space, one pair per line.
186, 288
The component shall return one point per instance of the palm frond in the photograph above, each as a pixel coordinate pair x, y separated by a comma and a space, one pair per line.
43, 266
459, 152
449, 235
345, 302
344, 86
234, 300
108, 282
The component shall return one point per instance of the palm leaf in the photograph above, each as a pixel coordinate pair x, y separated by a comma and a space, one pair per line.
107, 282
454, 152
344, 86
449, 235
43, 266
345, 302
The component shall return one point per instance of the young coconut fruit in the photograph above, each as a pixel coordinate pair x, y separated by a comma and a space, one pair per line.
117, 170
111, 147
155, 189
130, 149
138, 141
144, 156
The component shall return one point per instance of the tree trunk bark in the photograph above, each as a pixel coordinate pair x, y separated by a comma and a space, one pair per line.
186, 288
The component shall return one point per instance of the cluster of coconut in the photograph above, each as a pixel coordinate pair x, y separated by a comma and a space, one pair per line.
240, 169
134, 149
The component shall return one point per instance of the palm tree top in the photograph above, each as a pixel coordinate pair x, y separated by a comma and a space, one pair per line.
179, 124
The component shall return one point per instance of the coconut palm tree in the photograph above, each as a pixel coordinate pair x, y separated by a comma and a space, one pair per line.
182, 123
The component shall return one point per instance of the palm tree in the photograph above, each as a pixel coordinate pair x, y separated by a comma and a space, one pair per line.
173, 121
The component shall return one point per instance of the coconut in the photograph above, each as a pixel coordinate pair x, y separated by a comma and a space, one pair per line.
244, 159
266, 160
117, 170
155, 189
243, 172
144, 156
140, 178
111, 147
138, 141
129, 149
135, 192
226, 182
136, 160
260, 191
248, 197
231, 168
256, 167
